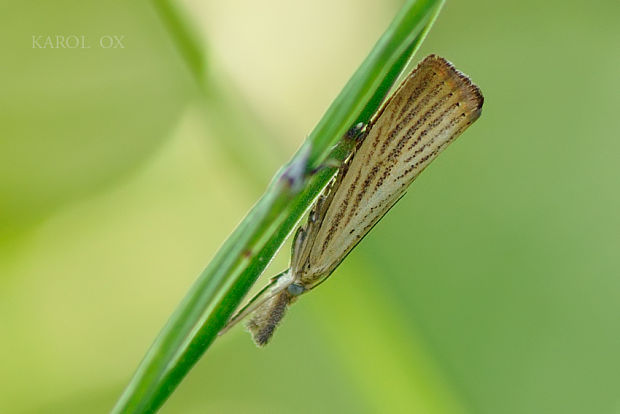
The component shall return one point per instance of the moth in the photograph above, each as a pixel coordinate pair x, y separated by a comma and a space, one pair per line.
431, 107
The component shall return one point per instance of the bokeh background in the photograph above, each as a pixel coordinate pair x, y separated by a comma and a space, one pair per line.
492, 287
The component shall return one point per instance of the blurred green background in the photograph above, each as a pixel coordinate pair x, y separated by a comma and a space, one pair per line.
492, 287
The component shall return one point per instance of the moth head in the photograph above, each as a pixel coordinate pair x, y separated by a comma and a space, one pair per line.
295, 289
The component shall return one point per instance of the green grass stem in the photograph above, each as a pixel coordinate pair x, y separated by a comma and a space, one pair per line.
224, 283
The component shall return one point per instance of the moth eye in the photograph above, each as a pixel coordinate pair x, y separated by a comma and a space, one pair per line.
295, 289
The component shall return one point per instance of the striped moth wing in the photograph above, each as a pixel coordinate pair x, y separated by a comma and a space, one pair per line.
431, 107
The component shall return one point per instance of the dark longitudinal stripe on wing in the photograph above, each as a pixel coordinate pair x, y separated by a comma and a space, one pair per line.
375, 142
420, 148
363, 190
394, 156
431, 125
434, 124
341, 209
436, 151
430, 128
403, 121
422, 85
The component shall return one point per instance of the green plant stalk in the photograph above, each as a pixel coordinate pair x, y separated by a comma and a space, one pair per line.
186, 38
220, 288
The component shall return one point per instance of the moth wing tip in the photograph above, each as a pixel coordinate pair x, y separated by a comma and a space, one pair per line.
471, 92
